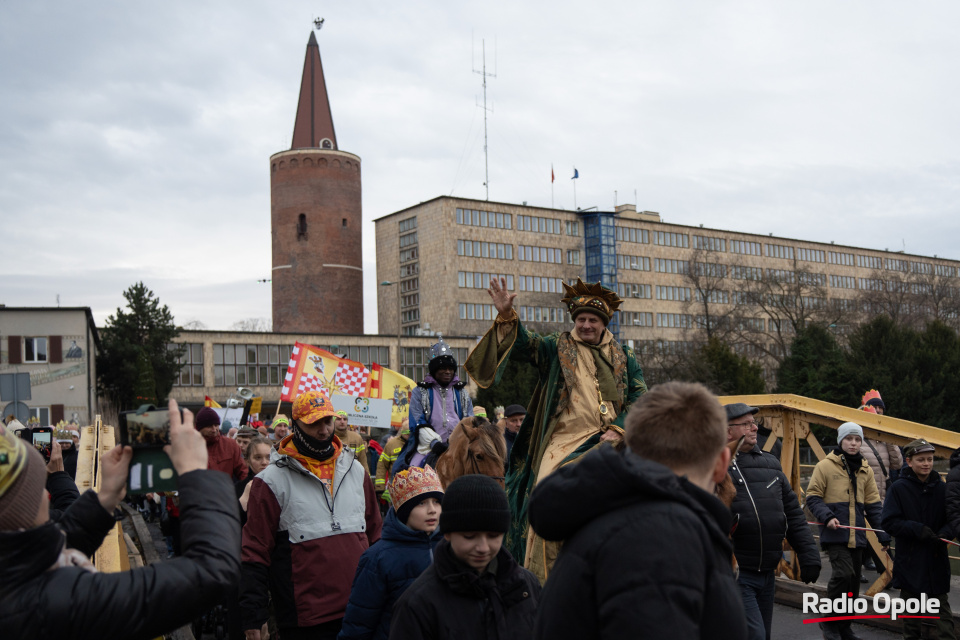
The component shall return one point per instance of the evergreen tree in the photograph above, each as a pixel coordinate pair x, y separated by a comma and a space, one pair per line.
720, 369
516, 387
135, 353
816, 368
883, 356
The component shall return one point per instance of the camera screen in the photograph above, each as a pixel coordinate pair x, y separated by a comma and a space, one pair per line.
150, 429
42, 441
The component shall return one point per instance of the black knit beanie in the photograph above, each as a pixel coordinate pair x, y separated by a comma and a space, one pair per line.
475, 503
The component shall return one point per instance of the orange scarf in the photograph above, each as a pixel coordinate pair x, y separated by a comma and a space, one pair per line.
323, 469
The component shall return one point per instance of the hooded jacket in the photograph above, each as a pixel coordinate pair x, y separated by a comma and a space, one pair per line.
831, 494
644, 549
890, 457
37, 601
223, 454
919, 566
386, 570
768, 512
451, 600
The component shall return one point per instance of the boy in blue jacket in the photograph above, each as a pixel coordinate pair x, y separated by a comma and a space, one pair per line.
410, 533
915, 514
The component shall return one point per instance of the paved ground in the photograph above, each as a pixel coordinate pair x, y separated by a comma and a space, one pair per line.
788, 625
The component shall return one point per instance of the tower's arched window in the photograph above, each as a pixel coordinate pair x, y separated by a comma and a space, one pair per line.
302, 226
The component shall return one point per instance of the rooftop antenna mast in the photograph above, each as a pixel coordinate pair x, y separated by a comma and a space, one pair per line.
486, 154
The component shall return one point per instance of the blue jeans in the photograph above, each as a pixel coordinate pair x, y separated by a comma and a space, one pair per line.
756, 590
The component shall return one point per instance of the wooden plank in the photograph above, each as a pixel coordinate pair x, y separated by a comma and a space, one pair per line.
150, 554
86, 458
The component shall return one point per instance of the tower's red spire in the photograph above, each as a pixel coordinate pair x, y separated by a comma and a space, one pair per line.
314, 125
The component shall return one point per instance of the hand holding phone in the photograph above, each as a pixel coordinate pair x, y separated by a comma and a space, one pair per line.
43, 440
114, 468
56, 458
187, 448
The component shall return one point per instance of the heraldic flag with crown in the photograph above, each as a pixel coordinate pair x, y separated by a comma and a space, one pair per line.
312, 368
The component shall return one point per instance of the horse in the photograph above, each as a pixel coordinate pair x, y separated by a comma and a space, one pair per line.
475, 446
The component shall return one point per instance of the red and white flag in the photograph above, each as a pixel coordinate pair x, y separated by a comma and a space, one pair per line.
313, 369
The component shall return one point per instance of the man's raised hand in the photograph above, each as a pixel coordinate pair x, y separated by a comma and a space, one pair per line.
502, 299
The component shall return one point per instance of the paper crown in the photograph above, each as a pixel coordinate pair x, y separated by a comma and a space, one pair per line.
413, 482
594, 298
441, 348
873, 394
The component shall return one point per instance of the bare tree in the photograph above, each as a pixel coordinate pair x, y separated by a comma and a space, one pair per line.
194, 325
710, 302
258, 325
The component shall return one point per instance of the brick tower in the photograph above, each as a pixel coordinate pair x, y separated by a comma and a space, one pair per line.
316, 217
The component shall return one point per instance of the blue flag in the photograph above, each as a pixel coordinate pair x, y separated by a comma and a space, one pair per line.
576, 174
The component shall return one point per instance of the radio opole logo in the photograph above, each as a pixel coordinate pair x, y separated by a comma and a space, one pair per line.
846, 607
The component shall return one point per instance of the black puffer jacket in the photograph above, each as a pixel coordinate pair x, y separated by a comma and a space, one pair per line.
646, 552
66, 603
450, 600
769, 512
63, 493
953, 494
921, 566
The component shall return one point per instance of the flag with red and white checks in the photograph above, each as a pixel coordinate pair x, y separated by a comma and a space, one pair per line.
351, 378
314, 369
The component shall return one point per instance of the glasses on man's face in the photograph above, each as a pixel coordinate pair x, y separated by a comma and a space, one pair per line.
748, 425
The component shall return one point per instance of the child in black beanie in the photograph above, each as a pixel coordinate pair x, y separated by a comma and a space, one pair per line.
474, 588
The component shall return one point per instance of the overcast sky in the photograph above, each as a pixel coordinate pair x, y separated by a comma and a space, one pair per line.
135, 137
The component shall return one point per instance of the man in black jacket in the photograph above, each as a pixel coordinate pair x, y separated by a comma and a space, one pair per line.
767, 509
646, 542
49, 589
915, 514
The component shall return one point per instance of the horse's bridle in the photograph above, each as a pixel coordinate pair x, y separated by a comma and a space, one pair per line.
476, 466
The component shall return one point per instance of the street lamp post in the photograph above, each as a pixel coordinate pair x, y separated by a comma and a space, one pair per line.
387, 283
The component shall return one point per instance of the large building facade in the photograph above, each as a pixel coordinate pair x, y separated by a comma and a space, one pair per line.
316, 216
676, 280
58, 348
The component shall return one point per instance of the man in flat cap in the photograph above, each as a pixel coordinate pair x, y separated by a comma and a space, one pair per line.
767, 508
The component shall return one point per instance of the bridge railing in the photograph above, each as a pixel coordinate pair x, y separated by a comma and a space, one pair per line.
790, 417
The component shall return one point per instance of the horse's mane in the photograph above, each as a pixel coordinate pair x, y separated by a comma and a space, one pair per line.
484, 437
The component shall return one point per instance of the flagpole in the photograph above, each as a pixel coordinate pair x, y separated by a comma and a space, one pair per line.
551, 186
575, 194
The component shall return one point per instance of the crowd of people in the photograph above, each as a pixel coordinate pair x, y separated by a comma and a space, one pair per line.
607, 518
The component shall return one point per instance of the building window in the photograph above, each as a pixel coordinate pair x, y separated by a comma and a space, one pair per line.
539, 225
745, 247
478, 249
407, 240
635, 263
779, 251
191, 365
846, 259
666, 265
540, 254
477, 218
676, 294
635, 319
249, 365
717, 296
35, 350
668, 239
479, 280
409, 269
674, 320
811, 255
555, 315
709, 243
738, 272
573, 228
870, 262
633, 290
302, 227
573, 256
540, 284
632, 234
408, 225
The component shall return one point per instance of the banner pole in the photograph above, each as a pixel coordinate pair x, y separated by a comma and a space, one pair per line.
279, 402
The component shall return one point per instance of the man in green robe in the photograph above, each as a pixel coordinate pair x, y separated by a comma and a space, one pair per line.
587, 382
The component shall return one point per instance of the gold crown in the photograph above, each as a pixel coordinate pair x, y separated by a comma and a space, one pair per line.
13, 458
590, 297
413, 482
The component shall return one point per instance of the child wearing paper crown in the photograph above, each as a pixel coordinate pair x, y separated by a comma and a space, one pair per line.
410, 533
